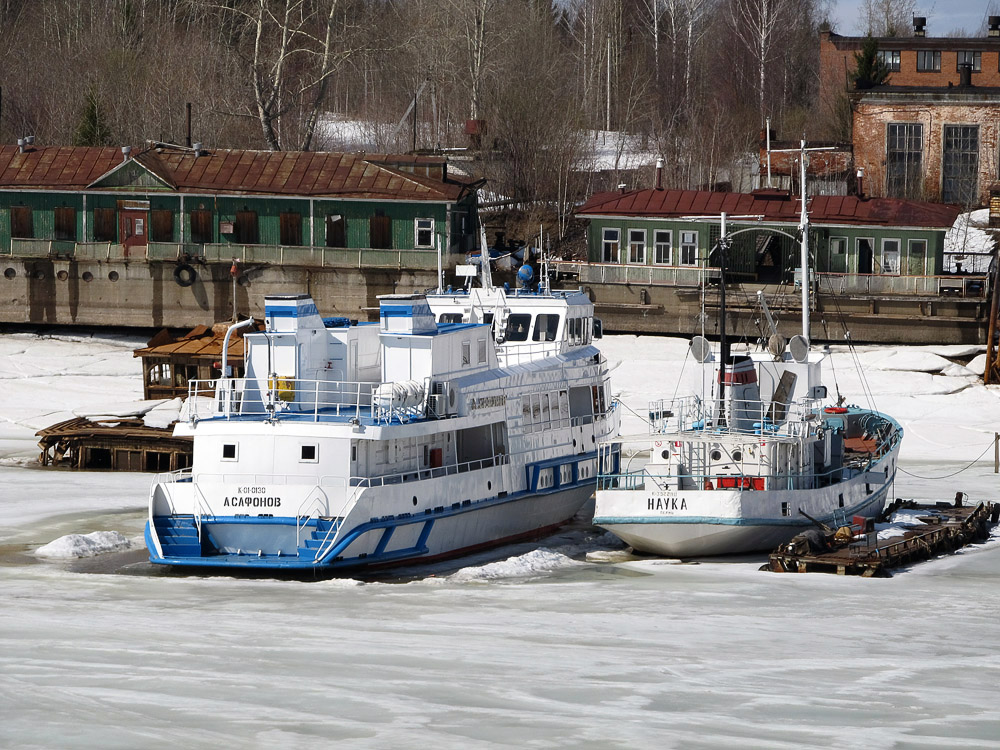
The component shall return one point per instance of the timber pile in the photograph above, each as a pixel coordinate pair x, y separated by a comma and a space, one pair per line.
944, 528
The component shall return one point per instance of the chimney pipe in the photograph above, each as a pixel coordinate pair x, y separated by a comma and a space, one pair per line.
965, 75
621, 188
197, 149
126, 150
861, 182
994, 26
20, 145
659, 174
188, 143
29, 140
919, 22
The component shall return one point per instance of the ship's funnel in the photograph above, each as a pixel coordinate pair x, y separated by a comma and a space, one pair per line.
742, 406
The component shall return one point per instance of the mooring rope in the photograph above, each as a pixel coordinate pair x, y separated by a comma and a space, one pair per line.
954, 473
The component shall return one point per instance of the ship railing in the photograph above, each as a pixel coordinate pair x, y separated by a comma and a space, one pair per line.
293, 398
316, 499
431, 473
691, 413
517, 353
172, 477
643, 479
335, 529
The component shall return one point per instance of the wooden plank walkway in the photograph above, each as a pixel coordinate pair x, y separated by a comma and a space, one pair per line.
945, 528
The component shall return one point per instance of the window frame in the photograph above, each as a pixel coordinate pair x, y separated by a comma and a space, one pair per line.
64, 223
935, 56
290, 228
909, 253
883, 269
893, 61
976, 59
159, 219
614, 245
200, 219
659, 244
417, 230
22, 228
898, 182
636, 247
685, 246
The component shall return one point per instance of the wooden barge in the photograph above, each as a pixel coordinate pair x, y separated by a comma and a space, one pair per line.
944, 527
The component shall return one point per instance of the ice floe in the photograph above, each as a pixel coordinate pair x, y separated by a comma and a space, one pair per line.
74, 546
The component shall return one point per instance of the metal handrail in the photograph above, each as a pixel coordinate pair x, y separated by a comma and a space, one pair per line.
500, 459
327, 544
299, 514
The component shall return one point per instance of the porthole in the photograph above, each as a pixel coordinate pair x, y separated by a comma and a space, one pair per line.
62, 275
113, 276
10, 273
88, 276
414, 499
716, 455
489, 485
664, 454
737, 455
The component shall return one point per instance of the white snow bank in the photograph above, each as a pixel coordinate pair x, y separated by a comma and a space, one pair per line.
907, 360
73, 546
978, 365
969, 244
165, 414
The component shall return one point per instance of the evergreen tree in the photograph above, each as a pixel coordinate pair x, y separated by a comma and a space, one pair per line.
91, 129
869, 69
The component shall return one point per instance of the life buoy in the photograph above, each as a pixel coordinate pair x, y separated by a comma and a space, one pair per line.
835, 410
185, 275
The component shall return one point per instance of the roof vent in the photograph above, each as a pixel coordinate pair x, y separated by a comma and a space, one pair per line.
659, 174
919, 22
994, 26
621, 188
126, 150
29, 140
20, 145
197, 149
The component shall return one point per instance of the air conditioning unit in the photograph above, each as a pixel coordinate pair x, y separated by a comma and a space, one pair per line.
442, 400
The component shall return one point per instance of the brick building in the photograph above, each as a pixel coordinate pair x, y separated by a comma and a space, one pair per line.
933, 130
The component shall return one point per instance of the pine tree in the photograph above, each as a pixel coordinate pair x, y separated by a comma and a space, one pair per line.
91, 129
869, 69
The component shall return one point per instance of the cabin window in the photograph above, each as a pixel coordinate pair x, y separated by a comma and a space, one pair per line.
970, 57
201, 227
890, 58
546, 327
291, 228
904, 159
536, 410
229, 452
450, 318
928, 61
308, 453
336, 231
65, 223
466, 354
689, 248
564, 408
517, 327
662, 242
482, 351
960, 164
245, 229
161, 225
380, 231
526, 413
21, 224
785, 510
918, 257
840, 500
423, 233
890, 257
609, 246
105, 226
637, 246
546, 414
159, 374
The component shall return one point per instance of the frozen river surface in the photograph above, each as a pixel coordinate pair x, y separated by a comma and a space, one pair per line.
530, 647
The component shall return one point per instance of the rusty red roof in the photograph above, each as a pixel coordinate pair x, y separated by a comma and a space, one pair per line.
770, 206
228, 171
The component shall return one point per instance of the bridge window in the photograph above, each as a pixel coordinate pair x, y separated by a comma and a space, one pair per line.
450, 318
546, 327
466, 354
518, 326
482, 351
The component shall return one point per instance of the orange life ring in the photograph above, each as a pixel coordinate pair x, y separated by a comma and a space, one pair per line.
835, 410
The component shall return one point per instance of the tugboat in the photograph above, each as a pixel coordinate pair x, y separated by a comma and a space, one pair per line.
755, 459
460, 421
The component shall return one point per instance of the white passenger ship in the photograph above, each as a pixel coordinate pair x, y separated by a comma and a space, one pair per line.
458, 422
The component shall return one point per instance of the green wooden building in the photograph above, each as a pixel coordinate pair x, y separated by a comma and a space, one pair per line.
878, 244
165, 202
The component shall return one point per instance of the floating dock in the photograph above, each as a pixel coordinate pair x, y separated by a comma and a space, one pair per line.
943, 528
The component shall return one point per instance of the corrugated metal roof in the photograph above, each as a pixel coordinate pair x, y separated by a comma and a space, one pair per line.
769, 207
227, 171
